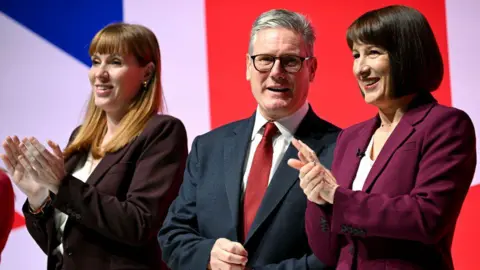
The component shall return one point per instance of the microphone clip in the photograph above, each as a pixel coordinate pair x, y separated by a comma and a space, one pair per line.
360, 154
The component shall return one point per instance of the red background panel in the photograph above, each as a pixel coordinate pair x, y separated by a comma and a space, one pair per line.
334, 94
467, 238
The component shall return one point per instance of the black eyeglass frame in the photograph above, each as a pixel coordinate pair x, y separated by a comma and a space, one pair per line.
302, 59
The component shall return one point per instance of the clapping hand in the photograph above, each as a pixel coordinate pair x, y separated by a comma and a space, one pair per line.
47, 168
317, 182
13, 160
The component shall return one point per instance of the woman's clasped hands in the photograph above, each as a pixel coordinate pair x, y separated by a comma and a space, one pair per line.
34, 169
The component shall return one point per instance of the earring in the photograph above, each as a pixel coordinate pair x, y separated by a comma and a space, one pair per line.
145, 83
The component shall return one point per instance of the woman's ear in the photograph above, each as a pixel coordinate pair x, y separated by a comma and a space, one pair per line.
149, 72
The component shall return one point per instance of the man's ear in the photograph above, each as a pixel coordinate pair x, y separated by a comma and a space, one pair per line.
248, 64
312, 69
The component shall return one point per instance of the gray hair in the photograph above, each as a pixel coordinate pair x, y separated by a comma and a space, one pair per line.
283, 18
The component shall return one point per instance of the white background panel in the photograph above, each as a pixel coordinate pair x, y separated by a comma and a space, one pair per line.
180, 30
43, 93
463, 30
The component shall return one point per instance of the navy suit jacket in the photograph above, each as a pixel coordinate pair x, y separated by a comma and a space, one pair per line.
209, 204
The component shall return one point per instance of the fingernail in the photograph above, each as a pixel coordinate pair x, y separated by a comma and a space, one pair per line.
41, 147
28, 144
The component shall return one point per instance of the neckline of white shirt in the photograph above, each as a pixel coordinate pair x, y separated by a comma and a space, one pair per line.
287, 125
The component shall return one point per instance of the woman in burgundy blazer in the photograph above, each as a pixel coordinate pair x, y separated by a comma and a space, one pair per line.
398, 180
100, 203
7, 210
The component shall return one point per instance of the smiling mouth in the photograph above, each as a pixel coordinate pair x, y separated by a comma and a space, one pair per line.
278, 89
103, 87
370, 83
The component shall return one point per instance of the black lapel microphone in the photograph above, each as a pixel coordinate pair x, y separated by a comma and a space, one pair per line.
360, 154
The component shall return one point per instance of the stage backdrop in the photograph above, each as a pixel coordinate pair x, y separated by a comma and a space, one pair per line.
44, 64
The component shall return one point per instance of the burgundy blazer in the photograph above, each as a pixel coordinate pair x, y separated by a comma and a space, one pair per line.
7, 211
114, 217
404, 218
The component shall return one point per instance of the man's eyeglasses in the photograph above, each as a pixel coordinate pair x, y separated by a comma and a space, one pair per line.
290, 63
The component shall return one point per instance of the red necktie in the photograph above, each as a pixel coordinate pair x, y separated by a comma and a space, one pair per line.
258, 177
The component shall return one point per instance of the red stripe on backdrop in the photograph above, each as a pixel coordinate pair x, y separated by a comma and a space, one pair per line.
18, 221
334, 94
466, 238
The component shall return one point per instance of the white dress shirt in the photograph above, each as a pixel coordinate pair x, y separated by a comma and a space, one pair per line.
287, 127
366, 164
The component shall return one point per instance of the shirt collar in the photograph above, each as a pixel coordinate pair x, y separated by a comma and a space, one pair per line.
287, 125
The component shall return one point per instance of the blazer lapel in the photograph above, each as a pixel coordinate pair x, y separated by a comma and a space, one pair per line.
349, 171
70, 165
235, 149
72, 162
105, 164
417, 111
309, 131
108, 161
396, 139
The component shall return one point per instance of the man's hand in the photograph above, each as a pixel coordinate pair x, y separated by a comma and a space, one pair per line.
227, 255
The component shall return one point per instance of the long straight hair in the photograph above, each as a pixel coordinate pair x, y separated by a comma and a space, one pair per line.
123, 39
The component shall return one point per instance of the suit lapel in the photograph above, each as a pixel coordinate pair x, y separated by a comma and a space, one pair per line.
309, 131
282, 181
235, 149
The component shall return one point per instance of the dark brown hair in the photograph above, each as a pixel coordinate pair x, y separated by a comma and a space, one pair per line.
415, 59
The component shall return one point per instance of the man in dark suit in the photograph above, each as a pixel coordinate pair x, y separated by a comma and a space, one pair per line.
240, 205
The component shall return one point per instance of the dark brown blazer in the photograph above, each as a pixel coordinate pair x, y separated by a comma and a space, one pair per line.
114, 217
